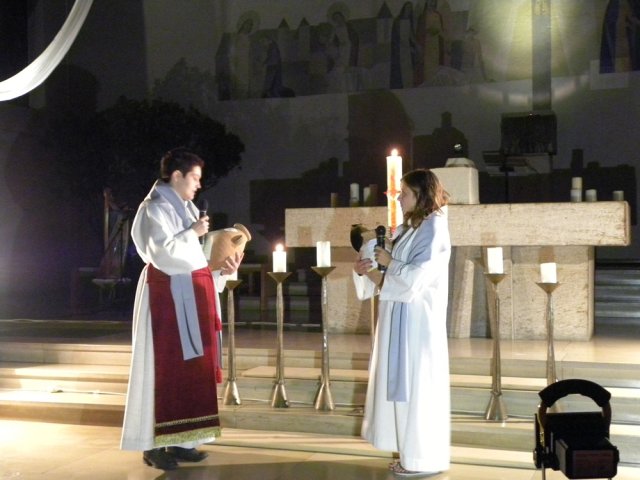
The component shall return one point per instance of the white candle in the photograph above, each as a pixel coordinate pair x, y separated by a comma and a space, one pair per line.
279, 259
233, 276
576, 195
576, 183
494, 260
618, 195
323, 254
354, 195
394, 174
366, 195
591, 195
548, 273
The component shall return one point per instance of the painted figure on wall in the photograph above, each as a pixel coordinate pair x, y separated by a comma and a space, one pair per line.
241, 55
344, 48
620, 44
431, 40
403, 49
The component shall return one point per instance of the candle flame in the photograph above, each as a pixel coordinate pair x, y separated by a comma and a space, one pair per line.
279, 248
394, 153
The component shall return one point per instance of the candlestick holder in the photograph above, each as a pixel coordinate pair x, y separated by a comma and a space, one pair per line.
549, 288
496, 410
324, 400
279, 393
231, 394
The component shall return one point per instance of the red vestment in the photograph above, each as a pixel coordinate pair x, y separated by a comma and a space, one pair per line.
186, 401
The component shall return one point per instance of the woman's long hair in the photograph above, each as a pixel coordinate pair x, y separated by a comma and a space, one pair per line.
430, 195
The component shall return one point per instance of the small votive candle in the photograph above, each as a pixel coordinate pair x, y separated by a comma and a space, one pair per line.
548, 273
323, 254
494, 260
618, 195
366, 195
576, 183
354, 195
591, 195
279, 259
334, 200
576, 195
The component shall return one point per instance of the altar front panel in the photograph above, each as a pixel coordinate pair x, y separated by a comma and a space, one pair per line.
565, 233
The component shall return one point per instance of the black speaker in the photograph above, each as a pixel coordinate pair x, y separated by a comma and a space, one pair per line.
528, 134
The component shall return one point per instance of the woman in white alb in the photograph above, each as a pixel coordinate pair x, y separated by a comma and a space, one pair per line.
408, 402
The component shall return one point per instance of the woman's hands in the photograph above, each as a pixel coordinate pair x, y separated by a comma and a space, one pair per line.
382, 256
362, 265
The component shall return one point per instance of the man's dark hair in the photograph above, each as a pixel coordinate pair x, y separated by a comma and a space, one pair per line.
178, 159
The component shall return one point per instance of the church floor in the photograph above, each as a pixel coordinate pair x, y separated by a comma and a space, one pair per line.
36, 450
32, 450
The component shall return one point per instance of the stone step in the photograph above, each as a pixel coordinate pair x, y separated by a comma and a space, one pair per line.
614, 309
515, 434
617, 293
470, 393
617, 277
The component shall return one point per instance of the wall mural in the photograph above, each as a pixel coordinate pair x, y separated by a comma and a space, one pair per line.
424, 44
620, 46
418, 47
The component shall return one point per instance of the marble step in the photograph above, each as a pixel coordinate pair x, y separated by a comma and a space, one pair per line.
470, 431
353, 445
470, 393
617, 277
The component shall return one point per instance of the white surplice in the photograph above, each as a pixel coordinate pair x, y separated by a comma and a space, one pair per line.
420, 428
173, 250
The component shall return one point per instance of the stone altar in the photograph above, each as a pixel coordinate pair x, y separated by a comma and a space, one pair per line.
531, 233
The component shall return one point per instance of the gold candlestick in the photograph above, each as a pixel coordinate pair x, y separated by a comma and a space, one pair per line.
231, 394
279, 394
324, 400
496, 410
549, 287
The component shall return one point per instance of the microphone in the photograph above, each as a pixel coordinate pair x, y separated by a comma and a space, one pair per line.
203, 206
381, 233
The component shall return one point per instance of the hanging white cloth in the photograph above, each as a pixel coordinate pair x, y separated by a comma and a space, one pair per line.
38, 70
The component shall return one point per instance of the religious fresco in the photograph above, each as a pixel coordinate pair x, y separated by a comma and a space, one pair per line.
620, 46
422, 43
419, 46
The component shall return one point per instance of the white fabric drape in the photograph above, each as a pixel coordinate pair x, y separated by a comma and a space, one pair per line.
38, 71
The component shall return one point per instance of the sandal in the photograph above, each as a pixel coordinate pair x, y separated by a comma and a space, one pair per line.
393, 465
399, 470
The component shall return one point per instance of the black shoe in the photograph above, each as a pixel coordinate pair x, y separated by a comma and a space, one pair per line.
187, 454
160, 459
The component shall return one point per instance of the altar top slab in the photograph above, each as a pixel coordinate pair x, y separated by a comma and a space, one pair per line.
509, 224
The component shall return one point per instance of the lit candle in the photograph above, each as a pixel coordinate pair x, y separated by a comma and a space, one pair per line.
279, 259
548, 273
494, 260
323, 254
394, 174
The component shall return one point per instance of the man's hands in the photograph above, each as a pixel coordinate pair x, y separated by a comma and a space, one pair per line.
232, 263
201, 227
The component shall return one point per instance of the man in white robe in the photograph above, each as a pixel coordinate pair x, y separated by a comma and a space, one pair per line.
176, 323
408, 400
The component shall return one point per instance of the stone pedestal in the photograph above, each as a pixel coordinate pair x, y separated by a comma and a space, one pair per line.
532, 233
